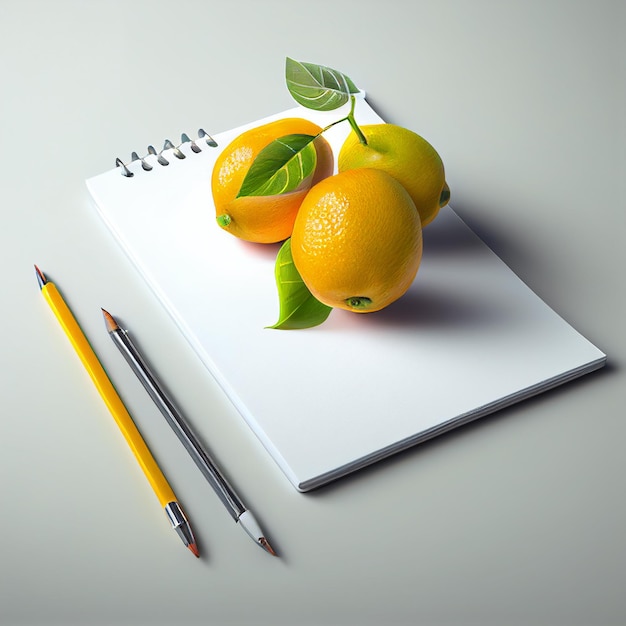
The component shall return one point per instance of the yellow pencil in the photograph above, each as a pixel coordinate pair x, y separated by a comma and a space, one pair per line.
125, 422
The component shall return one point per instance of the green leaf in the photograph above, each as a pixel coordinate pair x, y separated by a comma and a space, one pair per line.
282, 166
317, 86
298, 307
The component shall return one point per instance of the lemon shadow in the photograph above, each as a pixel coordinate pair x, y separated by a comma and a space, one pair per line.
428, 307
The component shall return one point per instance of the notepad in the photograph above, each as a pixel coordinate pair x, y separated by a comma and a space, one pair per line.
467, 339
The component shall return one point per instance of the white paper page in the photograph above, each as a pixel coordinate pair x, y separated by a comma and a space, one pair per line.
468, 337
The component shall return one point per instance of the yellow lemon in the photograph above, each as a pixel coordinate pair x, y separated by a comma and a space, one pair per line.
409, 158
262, 219
357, 240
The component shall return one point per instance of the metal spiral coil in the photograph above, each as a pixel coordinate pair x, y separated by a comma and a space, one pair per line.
169, 147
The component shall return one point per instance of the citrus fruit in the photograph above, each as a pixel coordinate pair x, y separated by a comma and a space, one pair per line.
262, 219
357, 240
405, 155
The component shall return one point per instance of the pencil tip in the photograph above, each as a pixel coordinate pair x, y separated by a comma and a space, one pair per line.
41, 279
249, 524
109, 321
265, 544
194, 549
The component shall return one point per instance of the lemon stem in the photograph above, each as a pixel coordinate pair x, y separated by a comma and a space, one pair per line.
350, 119
352, 122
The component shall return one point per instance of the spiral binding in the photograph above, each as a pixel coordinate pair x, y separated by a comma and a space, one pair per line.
167, 146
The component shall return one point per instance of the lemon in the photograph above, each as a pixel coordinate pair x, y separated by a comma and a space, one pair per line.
262, 219
406, 156
357, 240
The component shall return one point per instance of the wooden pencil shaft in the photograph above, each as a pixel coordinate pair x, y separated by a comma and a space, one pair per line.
108, 393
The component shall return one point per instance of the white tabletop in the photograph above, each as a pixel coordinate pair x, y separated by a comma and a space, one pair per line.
517, 519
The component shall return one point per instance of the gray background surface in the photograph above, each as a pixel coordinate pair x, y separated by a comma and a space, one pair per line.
518, 519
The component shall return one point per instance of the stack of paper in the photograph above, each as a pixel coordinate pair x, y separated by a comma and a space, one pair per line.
467, 339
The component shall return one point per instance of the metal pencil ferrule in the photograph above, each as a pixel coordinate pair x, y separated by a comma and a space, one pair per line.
180, 523
175, 514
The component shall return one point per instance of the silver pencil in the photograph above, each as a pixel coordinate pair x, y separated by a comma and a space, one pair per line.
205, 463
